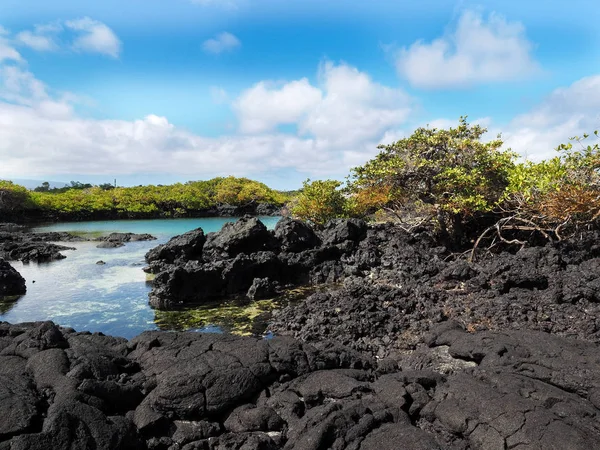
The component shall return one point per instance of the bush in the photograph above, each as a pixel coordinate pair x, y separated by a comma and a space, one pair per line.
319, 201
452, 171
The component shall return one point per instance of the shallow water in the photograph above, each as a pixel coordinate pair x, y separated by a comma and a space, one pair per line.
113, 297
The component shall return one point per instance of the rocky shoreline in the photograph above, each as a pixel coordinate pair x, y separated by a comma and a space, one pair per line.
34, 216
17, 244
413, 348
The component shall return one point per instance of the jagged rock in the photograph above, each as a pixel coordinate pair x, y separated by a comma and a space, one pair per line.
196, 391
16, 244
295, 236
187, 246
338, 231
247, 235
232, 259
11, 281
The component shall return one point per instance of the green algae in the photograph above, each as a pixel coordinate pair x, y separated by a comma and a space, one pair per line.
234, 316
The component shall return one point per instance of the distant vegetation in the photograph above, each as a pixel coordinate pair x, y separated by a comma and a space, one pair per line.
471, 191
83, 201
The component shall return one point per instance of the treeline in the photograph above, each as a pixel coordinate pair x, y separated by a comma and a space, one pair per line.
81, 202
472, 193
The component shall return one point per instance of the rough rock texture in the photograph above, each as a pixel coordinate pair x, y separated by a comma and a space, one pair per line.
485, 390
185, 247
115, 240
11, 281
238, 259
403, 284
19, 245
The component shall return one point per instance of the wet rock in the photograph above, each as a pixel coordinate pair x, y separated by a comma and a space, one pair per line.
19, 245
262, 288
115, 240
11, 281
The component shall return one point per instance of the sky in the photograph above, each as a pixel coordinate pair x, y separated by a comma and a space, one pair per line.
164, 91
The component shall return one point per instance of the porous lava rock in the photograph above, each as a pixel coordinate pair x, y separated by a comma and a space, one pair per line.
16, 244
63, 389
233, 261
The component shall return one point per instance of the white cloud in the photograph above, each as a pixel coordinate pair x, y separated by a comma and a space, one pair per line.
223, 42
41, 38
41, 135
566, 112
20, 87
7, 51
354, 108
347, 109
94, 37
476, 51
266, 105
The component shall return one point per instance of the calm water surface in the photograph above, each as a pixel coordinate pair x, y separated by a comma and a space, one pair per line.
111, 298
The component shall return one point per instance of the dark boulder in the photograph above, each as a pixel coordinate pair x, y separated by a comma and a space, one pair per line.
247, 235
338, 231
295, 236
191, 283
185, 247
11, 281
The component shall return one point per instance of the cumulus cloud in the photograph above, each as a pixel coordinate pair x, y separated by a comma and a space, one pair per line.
41, 135
566, 112
94, 37
267, 104
223, 42
347, 108
475, 51
42, 38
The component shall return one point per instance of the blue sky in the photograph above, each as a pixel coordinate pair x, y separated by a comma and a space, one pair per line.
157, 91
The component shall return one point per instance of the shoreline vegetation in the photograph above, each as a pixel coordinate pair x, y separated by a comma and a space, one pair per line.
472, 193
218, 197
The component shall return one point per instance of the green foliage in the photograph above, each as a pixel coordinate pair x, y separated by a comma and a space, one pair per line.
563, 188
452, 169
14, 197
319, 201
241, 191
177, 200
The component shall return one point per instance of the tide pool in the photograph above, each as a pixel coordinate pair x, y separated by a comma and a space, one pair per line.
112, 297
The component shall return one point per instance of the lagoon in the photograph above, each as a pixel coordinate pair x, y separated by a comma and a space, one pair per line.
113, 298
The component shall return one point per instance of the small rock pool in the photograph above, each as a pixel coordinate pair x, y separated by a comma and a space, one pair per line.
113, 297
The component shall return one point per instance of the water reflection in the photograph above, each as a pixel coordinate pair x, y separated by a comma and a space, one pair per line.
8, 302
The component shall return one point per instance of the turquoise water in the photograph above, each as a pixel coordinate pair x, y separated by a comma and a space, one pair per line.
111, 298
